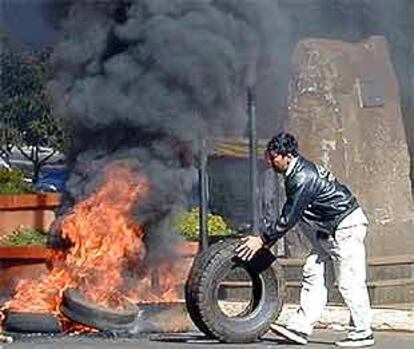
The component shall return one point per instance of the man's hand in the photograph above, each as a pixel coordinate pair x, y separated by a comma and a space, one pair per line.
250, 245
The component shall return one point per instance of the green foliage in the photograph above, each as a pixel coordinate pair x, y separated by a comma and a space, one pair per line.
188, 225
24, 237
12, 182
27, 118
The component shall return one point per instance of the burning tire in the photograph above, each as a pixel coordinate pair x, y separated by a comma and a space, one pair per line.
31, 322
78, 309
207, 275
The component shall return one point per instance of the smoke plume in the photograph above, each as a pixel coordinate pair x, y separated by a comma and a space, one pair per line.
142, 80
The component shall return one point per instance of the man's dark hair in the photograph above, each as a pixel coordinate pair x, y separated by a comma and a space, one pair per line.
284, 143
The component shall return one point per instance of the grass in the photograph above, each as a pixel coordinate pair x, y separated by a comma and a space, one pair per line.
24, 237
13, 182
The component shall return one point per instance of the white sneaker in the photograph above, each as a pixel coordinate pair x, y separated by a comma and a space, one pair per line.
356, 342
292, 335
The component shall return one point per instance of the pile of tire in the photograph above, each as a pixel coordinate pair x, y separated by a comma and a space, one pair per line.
30, 322
201, 293
75, 307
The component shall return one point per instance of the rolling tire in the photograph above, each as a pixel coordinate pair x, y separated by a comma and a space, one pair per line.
31, 322
78, 309
202, 286
192, 284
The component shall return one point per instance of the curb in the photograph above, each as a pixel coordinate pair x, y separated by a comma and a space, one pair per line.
337, 318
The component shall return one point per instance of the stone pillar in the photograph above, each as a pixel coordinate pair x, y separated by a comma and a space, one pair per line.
344, 107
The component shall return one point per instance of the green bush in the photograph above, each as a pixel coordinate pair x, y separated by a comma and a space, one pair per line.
188, 225
12, 182
24, 237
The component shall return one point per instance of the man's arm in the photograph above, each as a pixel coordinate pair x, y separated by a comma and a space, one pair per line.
298, 198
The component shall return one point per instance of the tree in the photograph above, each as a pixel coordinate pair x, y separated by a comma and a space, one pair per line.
7, 140
27, 118
6, 132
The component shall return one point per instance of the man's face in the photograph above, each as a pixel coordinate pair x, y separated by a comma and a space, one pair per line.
278, 162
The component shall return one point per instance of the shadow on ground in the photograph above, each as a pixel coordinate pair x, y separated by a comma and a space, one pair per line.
193, 339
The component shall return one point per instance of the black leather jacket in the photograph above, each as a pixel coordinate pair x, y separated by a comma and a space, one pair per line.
314, 194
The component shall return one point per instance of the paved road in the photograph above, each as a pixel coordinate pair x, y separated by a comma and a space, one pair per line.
320, 340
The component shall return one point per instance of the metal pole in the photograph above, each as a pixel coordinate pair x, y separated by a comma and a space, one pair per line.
202, 180
251, 109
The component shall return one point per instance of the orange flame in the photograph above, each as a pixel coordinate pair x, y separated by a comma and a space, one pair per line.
107, 244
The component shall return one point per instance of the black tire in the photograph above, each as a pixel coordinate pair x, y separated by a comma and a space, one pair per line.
203, 282
192, 286
193, 283
78, 309
31, 322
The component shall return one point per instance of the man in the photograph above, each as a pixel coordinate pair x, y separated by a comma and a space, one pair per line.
339, 228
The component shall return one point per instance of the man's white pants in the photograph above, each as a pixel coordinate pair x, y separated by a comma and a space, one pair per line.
347, 250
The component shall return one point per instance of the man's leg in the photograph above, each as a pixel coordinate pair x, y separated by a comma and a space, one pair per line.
313, 295
351, 262
313, 298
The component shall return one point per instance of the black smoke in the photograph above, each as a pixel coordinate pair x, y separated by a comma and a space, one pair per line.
143, 80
